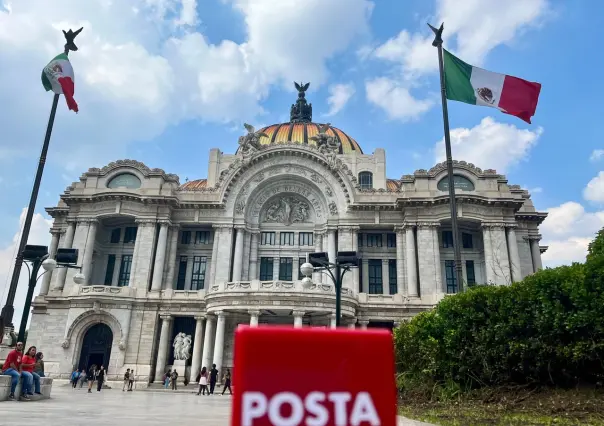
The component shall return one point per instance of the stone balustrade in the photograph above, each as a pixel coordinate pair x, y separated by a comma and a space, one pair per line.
45, 388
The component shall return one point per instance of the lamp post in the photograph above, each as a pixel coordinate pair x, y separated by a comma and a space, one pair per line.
345, 261
37, 257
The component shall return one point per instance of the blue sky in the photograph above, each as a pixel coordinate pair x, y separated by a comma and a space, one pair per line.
164, 81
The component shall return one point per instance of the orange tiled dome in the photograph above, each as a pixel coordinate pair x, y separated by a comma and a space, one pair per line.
302, 132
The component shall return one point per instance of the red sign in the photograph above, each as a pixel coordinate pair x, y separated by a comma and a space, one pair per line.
314, 377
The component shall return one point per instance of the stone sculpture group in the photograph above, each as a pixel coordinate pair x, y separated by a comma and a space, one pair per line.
182, 347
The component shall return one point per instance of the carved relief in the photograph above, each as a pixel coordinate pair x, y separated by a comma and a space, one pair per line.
287, 210
316, 178
328, 191
239, 207
297, 188
333, 209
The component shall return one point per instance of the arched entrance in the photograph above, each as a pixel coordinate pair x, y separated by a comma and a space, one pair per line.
96, 346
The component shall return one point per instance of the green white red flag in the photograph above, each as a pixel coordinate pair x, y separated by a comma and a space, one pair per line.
476, 86
58, 77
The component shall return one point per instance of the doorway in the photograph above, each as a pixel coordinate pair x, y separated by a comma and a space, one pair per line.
96, 347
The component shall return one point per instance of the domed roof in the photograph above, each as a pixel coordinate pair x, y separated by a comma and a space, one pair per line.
301, 128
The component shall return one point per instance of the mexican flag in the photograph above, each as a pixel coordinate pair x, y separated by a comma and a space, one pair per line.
472, 85
58, 77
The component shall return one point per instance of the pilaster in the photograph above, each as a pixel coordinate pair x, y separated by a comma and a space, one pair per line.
428, 253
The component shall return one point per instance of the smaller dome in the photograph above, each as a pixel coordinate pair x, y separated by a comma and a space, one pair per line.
194, 184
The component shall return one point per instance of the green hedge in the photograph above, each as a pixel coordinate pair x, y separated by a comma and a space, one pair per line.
547, 329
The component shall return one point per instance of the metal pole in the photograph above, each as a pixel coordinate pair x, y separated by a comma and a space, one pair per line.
338, 288
33, 279
438, 43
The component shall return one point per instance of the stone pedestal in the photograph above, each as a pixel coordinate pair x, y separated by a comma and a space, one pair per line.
181, 368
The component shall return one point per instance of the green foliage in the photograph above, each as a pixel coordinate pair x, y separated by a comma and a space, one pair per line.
547, 329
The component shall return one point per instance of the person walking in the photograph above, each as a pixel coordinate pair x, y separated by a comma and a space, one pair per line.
74, 378
131, 381
27, 365
227, 382
213, 378
91, 377
126, 379
203, 381
12, 368
100, 378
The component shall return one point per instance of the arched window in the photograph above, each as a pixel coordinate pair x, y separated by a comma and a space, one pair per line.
366, 180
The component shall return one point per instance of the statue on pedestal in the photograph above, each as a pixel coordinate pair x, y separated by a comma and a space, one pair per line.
182, 347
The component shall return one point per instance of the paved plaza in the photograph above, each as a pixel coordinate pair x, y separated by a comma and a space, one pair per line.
114, 407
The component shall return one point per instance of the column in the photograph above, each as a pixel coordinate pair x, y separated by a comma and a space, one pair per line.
162, 350
137, 245
172, 256
88, 252
140, 272
219, 342
317, 276
125, 332
411, 262
536, 252
354, 235
254, 256
238, 257
52, 251
400, 257
488, 254
245, 271
325, 249
197, 346
296, 269
332, 321
513, 253
345, 244
438, 275
69, 234
428, 259
499, 263
275, 268
365, 281
160, 257
206, 358
331, 245
351, 325
298, 315
215, 242
223, 255
363, 324
254, 315
385, 277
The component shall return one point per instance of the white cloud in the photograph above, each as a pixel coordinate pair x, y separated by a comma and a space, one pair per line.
474, 27
339, 95
596, 155
395, 99
535, 190
594, 191
568, 230
138, 71
490, 145
38, 235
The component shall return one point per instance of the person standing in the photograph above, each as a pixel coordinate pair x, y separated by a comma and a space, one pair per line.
131, 381
39, 367
227, 382
126, 379
203, 381
12, 367
27, 365
91, 377
173, 379
213, 378
167, 377
100, 378
82, 378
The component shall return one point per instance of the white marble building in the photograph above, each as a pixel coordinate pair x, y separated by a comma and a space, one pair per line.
161, 257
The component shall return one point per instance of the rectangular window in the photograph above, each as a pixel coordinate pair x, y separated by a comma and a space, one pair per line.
466, 240
374, 240
470, 274
285, 268
130, 235
392, 276
125, 266
360, 239
185, 237
182, 273
115, 236
391, 240
202, 237
267, 239
450, 276
305, 239
286, 238
199, 272
375, 276
447, 239
266, 268
301, 261
110, 269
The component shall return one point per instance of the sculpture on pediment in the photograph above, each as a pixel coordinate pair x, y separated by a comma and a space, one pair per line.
287, 210
325, 143
250, 142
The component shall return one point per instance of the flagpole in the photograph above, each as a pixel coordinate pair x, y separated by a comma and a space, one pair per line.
6, 316
438, 43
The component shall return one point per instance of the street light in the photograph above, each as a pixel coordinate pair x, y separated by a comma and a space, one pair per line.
37, 257
345, 261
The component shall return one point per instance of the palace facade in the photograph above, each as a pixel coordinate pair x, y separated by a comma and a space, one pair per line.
162, 257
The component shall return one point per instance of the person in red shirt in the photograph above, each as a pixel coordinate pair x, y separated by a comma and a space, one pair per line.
27, 372
12, 367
